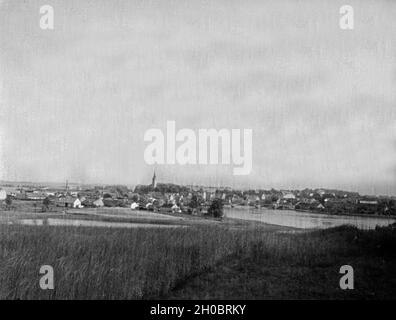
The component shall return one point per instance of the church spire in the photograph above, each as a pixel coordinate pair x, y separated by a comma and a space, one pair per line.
154, 181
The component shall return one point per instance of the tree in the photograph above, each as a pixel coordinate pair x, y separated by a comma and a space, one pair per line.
216, 208
194, 202
46, 204
8, 202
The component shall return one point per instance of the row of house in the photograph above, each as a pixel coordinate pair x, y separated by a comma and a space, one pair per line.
170, 197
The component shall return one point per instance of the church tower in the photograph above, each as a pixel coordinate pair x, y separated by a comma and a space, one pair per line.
154, 181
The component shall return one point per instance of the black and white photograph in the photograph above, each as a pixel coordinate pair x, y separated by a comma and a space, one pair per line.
197, 150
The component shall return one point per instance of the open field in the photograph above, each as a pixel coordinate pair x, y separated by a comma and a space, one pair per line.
206, 258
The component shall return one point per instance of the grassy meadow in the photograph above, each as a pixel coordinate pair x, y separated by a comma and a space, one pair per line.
201, 261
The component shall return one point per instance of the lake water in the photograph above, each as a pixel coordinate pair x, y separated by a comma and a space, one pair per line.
89, 223
287, 218
305, 220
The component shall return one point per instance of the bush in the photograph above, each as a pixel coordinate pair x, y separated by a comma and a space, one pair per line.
111, 202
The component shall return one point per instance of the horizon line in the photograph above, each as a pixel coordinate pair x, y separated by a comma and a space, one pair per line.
198, 185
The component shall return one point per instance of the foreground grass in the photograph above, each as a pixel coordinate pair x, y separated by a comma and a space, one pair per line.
303, 266
101, 263
194, 262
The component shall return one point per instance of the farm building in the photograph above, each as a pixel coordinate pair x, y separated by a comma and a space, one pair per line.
65, 201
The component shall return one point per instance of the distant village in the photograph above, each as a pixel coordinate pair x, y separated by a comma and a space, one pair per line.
195, 200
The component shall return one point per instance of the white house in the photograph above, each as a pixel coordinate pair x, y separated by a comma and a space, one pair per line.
77, 204
3, 194
98, 202
176, 209
289, 196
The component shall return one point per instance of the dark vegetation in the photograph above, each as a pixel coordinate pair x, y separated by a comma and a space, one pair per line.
303, 266
196, 262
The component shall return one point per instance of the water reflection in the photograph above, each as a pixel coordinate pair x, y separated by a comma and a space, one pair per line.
305, 220
90, 223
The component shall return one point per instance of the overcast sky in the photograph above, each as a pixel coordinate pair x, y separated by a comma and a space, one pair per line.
75, 101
